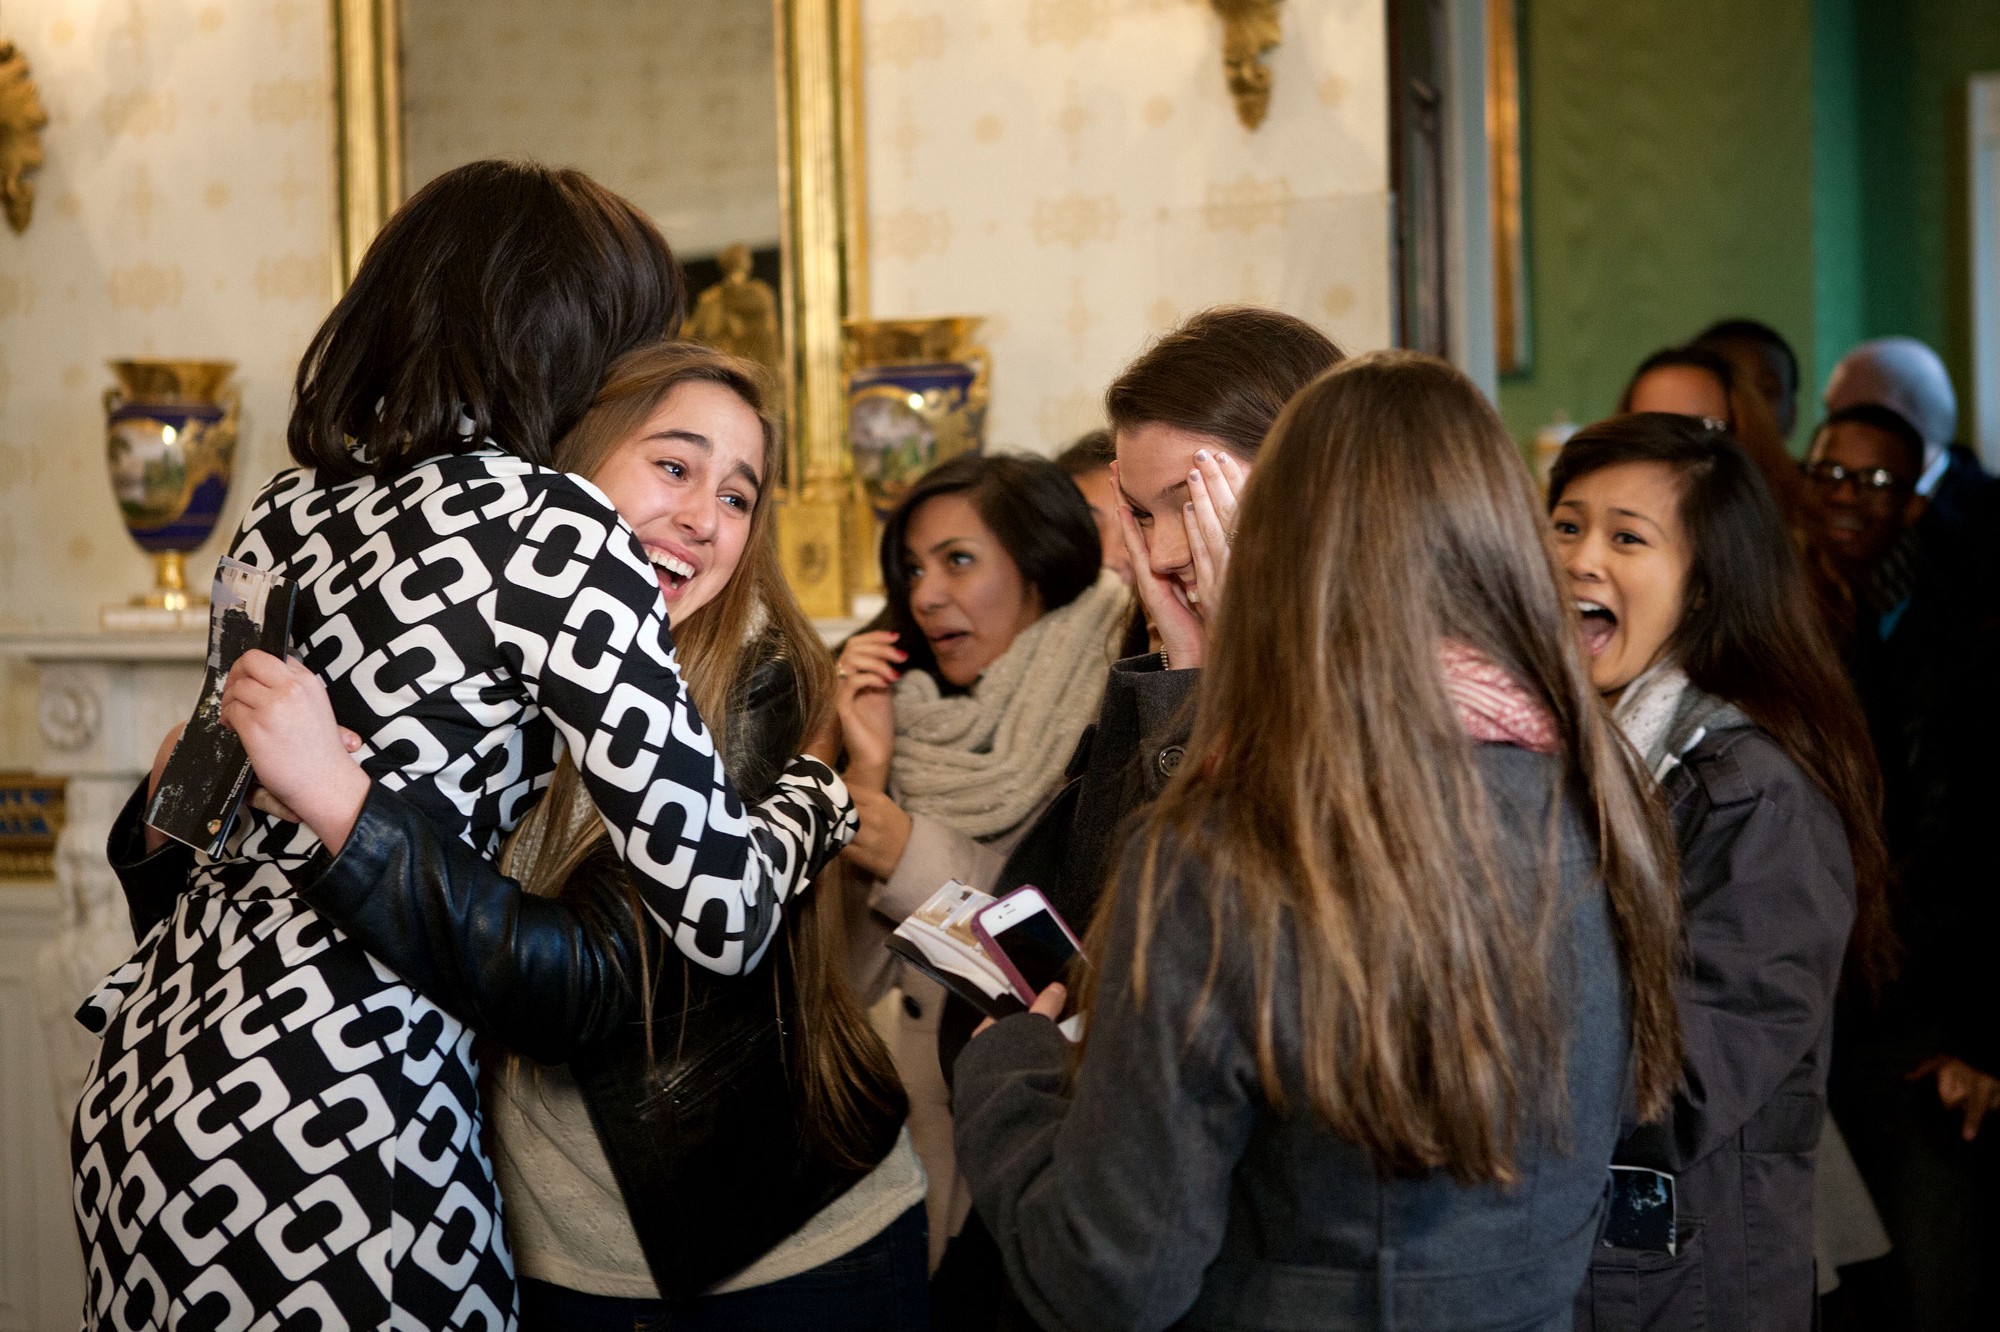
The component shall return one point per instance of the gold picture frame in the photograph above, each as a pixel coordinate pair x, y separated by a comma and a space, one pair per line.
1511, 334
822, 188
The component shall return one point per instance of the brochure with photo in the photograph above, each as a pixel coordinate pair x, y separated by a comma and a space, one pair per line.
937, 940
201, 791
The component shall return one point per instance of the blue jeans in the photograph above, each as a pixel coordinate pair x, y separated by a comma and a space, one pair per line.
878, 1287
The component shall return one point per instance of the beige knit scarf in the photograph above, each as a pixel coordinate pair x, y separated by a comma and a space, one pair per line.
984, 761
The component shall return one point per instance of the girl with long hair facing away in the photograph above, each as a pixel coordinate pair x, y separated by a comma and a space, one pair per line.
471, 614
1393, 952
1701, 632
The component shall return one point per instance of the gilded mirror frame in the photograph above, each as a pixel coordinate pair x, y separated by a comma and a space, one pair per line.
823, 250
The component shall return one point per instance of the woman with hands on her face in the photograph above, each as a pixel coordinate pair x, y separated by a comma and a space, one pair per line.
1188, 418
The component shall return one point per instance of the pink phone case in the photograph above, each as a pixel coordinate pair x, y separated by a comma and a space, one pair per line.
999, 954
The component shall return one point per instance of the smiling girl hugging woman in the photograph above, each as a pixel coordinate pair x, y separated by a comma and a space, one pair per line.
474, 615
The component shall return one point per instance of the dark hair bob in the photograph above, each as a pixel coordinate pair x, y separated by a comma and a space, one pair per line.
1089, 452
1724, 331
1032, 508
488, 308
1692, 356
1225, 373
1751, 633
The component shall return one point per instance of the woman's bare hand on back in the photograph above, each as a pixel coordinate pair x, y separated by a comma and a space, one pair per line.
280, 711
882, 836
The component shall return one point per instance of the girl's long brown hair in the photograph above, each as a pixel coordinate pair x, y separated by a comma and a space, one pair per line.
841, 1067
1332, 798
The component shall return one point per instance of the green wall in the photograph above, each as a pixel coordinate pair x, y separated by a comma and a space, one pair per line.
1669, 174
1798, 161
1912, 58
1840, 313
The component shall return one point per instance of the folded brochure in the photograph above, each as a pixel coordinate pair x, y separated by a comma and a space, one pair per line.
937, 940
202, 788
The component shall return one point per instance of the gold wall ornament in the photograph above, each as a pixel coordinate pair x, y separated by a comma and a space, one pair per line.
21, 122
739, 315
1250, 28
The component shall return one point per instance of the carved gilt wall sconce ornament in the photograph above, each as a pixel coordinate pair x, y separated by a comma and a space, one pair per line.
21, 122
1250, 28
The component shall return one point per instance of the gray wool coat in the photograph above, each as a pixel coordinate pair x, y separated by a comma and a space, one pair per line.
1768, 899
1162, 1189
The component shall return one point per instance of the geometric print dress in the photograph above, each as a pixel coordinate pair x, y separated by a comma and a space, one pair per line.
277, 1132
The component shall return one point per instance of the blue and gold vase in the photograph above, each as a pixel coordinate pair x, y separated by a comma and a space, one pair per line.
916, 395
170, 437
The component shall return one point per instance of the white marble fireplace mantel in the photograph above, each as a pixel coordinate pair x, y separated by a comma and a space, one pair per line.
104, 701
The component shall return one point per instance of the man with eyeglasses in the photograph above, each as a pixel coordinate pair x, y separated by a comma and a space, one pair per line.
1916, 1074
1909, 378
1864, 467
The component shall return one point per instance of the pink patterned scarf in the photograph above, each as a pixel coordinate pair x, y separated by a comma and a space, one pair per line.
1492, 707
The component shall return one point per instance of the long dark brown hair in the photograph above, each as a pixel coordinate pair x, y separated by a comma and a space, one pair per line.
1752, 635
840, 1065
1333, 799
1225, 373
488, 307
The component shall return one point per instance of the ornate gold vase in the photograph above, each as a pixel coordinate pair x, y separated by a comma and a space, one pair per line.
916, 395
170, 438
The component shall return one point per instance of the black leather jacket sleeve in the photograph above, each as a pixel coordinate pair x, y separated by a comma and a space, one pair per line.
529, 971
152, 880
532, 972
441, 916
525, 969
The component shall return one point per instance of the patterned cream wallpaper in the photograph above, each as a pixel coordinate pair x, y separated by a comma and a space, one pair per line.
673, 103
186, 210
1074, 170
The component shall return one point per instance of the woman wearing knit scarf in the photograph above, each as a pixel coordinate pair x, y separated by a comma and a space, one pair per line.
960, 719
1702, 636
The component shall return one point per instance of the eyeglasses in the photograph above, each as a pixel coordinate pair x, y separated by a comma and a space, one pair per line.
1869, 480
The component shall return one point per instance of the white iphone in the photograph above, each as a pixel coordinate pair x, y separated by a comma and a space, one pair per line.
1029, 941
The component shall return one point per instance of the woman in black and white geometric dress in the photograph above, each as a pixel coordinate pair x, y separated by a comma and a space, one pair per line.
277, 1128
